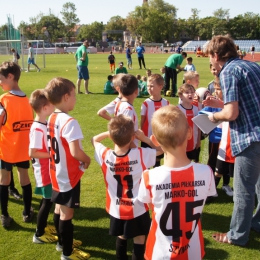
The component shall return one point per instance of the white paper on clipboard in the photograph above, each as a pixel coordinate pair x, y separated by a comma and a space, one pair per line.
203, 122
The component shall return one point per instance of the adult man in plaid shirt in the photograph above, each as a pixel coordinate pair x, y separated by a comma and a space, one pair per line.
240, 83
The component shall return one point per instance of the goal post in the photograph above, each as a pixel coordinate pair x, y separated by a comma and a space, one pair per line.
22, 46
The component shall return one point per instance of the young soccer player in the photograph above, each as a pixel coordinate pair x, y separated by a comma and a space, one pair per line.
109, 86
150, 105
144, 91
128, 86
107, 111
67, 163
214, 71
112, 62
16, 118
186, 93
122, 169
225, 160
193, 78
176, 191
189, 66
148, 73
38, 151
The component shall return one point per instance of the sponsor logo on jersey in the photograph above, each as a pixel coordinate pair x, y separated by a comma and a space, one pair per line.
22, 125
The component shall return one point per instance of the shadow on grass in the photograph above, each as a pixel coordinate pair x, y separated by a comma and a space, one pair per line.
90, 214
214, 253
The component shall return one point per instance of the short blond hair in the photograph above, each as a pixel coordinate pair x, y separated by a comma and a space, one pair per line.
38, 100
57, 88
157, 78
170, 126
185, 87
190, 75
121, 130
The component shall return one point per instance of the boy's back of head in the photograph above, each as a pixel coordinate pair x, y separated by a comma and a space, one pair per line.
109, 77
128, 84
121, 130
190, 75
57, 88
38, 100
170, 126
9, 67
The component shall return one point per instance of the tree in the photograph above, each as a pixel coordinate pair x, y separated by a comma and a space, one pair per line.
51, 27
221, 13
69, 17
153, 21
91, 31
192, 26
31, 30
115, 23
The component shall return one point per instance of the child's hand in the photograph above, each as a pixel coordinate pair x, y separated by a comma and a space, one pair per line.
86, 164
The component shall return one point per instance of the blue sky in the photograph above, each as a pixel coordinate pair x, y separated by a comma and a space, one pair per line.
89, 11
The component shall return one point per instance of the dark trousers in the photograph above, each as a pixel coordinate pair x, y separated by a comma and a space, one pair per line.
141, 59
213, 154
170, 75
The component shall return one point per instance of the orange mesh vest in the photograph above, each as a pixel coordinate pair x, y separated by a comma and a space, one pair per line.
14, 134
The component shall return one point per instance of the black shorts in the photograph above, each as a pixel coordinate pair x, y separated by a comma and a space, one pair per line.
69, 198
158, 157
224, 168
9, 166
130, 228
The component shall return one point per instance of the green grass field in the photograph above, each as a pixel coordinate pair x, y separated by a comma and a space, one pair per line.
91, 222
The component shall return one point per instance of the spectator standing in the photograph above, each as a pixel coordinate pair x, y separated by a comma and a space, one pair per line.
128, 57
140, 55
253, 52
81, 57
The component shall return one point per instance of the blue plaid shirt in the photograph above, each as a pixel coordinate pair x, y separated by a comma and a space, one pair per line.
240, 81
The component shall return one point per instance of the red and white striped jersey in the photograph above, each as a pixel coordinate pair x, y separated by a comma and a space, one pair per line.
110, 108
122, 175
177, 196
64, 169
148, 107
125, 108
194, 103
190, 113
224, 150
38, 140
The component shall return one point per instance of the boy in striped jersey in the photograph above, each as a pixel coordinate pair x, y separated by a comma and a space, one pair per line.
122, 169
107, 111
150, 105
225, 160
128, 85
67, 163
39, 153
186, 93
176, 192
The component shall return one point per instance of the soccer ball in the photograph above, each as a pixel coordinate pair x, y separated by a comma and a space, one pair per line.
202, 93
